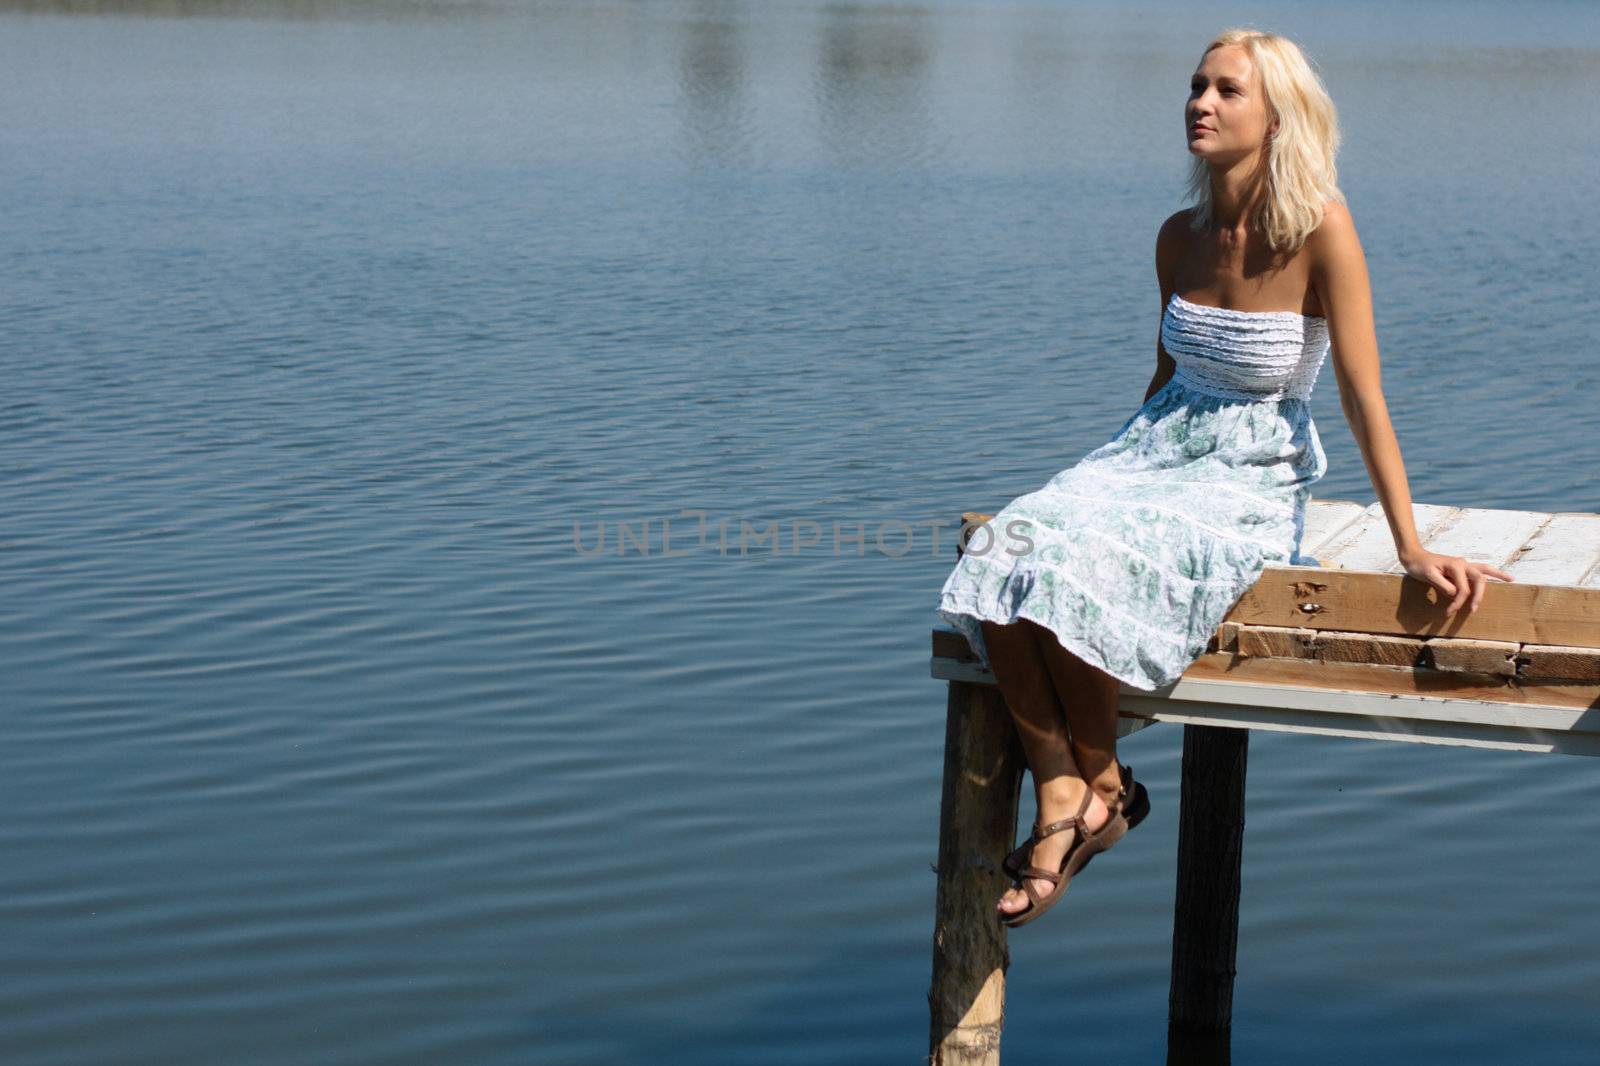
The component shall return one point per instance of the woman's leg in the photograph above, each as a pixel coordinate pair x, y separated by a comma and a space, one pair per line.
1088, 698
1020, 670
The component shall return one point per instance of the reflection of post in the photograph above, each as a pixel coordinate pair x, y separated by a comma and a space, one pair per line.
1205, 927
983, 764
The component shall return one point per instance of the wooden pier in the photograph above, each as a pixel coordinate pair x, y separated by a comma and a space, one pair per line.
1350, 647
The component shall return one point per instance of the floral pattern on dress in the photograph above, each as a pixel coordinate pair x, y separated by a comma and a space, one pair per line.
1133, 555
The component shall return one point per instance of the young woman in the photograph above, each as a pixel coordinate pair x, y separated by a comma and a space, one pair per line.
1121, 567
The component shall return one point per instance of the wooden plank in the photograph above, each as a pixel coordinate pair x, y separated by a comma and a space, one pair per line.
1284, 642
1307, 596
1325, 519
1348, 710
1482, 698
1279, 641
1227, 638
1564, 551
1368, 543
1354, 727
1498, 657
1568, 664
1376, 648
1482, 535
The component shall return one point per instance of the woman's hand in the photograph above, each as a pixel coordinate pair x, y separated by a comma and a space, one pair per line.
1452, 576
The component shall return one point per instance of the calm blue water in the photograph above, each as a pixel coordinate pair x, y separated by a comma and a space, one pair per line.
323, 323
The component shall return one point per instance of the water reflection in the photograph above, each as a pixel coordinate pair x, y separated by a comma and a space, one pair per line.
871, 84
717, 119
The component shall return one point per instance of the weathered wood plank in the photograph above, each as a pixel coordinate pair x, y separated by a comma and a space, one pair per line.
1402, 730
1377, 648
1277, 641
1545, 661
1482, 535
1490, 699
1363, 602
1325, 519
1564, 551
1368, 543
1498, 657
1289, 643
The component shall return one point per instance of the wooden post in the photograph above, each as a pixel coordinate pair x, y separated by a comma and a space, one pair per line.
1205, 928
983, 763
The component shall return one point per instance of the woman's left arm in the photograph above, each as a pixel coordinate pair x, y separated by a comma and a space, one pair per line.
1339, 273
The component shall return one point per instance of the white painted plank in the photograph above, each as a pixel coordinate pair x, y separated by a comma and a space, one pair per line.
1368, 544
1264, 696
1482, 535
1464, 735
1561, 553
1324, 520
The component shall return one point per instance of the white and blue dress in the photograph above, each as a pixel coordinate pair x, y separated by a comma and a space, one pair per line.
1133, 556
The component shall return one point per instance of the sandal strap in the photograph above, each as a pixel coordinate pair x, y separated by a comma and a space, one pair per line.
1064, 823
1124, 790
1054, 827
1075, 818
1030, 872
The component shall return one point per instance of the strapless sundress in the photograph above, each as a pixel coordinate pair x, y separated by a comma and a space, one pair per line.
1134, 555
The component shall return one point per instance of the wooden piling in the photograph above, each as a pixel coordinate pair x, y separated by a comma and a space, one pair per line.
983, 764
1205, 926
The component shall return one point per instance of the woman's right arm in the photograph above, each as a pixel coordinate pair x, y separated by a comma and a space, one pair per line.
1169, 249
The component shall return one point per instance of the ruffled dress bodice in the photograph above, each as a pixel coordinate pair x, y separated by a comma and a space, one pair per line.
1244, 355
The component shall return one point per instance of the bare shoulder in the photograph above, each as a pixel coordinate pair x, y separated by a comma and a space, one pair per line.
1175, 229
1171, 241
1339, 271
1335, 236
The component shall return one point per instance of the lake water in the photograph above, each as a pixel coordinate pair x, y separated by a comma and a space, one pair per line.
324, 323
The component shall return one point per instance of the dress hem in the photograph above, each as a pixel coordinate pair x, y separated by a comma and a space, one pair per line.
1072, 644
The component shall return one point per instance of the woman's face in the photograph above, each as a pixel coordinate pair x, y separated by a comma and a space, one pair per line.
1226, 104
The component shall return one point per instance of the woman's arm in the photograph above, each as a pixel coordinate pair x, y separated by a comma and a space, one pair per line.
1339, 272
1169, 249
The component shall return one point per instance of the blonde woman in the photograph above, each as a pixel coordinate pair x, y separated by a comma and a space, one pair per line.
1120, 568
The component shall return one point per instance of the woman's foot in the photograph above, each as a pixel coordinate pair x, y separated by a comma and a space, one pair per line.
1057, 799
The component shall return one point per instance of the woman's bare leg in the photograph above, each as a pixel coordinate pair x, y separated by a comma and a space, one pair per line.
1088, 698
1020, 670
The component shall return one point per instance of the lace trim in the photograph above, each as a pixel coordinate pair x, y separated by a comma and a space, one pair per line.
1229, 312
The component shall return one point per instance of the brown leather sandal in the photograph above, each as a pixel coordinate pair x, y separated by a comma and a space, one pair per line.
1133, 800
1085, 847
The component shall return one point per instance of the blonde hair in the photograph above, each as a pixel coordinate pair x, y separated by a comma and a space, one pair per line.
1301, 176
